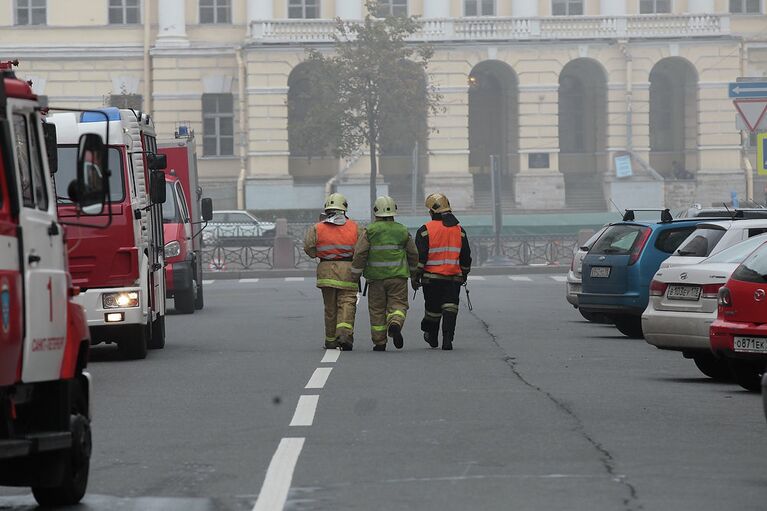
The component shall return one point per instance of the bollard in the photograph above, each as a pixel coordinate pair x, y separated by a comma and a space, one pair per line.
284, 249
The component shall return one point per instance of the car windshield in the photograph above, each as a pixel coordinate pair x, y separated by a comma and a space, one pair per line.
737, 253
701, 242
67, 172
754, 268
618, 239
170, 212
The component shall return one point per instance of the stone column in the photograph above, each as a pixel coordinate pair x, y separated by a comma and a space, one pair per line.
171, 17
524, 8
700, 6
436, 9
612, 7
349, 9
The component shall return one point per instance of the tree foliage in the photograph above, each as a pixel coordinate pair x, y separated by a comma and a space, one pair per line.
370, 92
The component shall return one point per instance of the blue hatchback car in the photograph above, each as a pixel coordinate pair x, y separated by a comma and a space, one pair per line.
618, 269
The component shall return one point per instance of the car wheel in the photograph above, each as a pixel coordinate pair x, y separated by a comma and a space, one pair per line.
595, 317
157, 341
133, 346
630, 326
711, 366
183, 301
199, 301
747, 374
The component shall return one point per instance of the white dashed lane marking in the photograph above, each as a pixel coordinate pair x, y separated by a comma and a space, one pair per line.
330, 357
560, 278
248, 281
305, 410
520, 278
207, 282
319, 378
476, 277
279, 475
294, 279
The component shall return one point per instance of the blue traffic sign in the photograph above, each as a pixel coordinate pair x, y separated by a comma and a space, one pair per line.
747, 89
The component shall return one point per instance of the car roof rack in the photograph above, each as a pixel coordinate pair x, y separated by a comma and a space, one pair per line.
665, 214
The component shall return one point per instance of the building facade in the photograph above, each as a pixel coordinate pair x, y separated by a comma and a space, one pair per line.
554, 91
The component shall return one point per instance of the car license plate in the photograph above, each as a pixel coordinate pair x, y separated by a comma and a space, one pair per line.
600, 272
691, 293
750, 344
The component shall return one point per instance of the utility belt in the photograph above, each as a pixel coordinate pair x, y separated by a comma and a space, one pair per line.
343, 260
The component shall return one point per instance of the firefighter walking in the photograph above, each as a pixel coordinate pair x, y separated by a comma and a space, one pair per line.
385, 254
444, 262
332, 241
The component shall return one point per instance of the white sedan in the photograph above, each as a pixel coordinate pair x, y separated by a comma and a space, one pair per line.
683, 304
574, 278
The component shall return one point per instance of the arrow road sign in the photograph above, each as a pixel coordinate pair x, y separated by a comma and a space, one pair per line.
752, 111
748, 89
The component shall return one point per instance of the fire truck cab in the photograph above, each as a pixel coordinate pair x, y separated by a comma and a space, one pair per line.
120, 269
45, 438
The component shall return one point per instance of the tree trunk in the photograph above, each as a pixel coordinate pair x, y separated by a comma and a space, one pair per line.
373, 145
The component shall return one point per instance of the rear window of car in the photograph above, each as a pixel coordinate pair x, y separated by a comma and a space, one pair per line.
670, 239
754, 268
701, 242
618, 239
737, 253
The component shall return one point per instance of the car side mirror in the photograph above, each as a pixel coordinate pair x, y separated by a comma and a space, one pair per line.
91, 188
156, 161
49, 135
206, 207
157, 193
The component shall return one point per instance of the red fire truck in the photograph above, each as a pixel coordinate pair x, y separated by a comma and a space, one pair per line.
184, 215
120, 269
45, 436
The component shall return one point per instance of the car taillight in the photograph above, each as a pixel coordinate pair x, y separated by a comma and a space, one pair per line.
724, 297
639, 244
658, 288
711, 290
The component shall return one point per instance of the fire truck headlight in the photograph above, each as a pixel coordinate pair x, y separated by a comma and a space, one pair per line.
172, 249
120, 300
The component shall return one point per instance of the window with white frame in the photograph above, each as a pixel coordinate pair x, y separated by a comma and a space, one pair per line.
303, 9
479, 7
217, 125
388, 8
31, 12
745, 6
215, 11
124, 12
566, 7
654, 6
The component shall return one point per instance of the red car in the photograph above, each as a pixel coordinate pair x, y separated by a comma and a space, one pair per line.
740, 331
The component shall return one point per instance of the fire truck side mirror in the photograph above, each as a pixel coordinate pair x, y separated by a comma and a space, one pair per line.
90, 188
156, 161
157, 187
49, 133
206, 206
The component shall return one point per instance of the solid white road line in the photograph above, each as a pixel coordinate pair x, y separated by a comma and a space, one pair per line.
279, 475
319, 378
207, 282
559, 278
294, 279
519, 278
476, 277
305, 410
330, 356
248, 281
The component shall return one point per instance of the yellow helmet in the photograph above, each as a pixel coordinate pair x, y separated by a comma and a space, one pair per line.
336, 201
437, 203
384, 207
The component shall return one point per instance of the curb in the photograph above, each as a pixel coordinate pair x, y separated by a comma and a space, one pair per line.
480, 271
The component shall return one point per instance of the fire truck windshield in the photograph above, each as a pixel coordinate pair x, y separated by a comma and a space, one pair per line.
67, 172
170, 212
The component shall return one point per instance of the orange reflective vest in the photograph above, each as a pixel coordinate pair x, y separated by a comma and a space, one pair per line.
336, 242
444, 249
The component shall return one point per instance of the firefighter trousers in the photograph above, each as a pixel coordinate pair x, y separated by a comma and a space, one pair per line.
387, 304
441, 302
340, 309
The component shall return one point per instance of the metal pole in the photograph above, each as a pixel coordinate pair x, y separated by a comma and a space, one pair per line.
495, 188
414, 183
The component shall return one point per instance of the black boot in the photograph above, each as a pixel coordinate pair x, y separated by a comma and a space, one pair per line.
431, 338
395, 332
345, 342
448, 330
379, 347
331, 345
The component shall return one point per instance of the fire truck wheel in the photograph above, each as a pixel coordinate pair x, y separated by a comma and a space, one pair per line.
199, 301
76, 460
157, 342
183, 301
134, 345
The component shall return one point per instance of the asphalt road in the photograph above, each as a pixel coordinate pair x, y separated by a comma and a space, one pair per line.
535, 409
